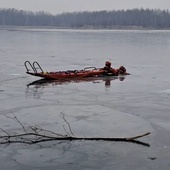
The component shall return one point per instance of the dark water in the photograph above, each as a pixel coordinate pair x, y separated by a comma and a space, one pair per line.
94, 108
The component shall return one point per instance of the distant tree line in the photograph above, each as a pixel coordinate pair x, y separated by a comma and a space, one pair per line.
145, 18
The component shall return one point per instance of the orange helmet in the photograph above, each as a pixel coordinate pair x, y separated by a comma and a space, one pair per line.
107, 63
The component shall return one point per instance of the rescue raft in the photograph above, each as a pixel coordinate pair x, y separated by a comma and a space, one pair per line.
36, 70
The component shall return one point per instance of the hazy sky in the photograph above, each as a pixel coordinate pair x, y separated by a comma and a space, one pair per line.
59, 6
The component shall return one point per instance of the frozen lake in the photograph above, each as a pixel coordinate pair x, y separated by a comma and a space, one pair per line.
118, 107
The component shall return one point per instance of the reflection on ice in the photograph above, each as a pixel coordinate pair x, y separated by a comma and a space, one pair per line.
39, 85
46, 82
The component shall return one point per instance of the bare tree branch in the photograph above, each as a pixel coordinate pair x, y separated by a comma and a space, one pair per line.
34, 135
44, 138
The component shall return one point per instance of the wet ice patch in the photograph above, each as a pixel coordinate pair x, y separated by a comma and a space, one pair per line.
84, 120
167, 91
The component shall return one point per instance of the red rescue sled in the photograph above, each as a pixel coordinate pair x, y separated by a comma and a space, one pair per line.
32, 69
69, 74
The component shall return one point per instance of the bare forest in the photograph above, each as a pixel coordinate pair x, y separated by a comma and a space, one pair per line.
134, 18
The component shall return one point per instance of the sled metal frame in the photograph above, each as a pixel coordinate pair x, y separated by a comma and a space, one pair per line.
33, 67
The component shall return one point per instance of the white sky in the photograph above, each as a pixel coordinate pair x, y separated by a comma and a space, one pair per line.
59, 6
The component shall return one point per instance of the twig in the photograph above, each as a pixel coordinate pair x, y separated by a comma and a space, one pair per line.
19, 123
68, 134
67, 124
136, 137
36, 128
5, 132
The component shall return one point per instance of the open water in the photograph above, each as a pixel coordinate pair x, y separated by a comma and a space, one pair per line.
118, 107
